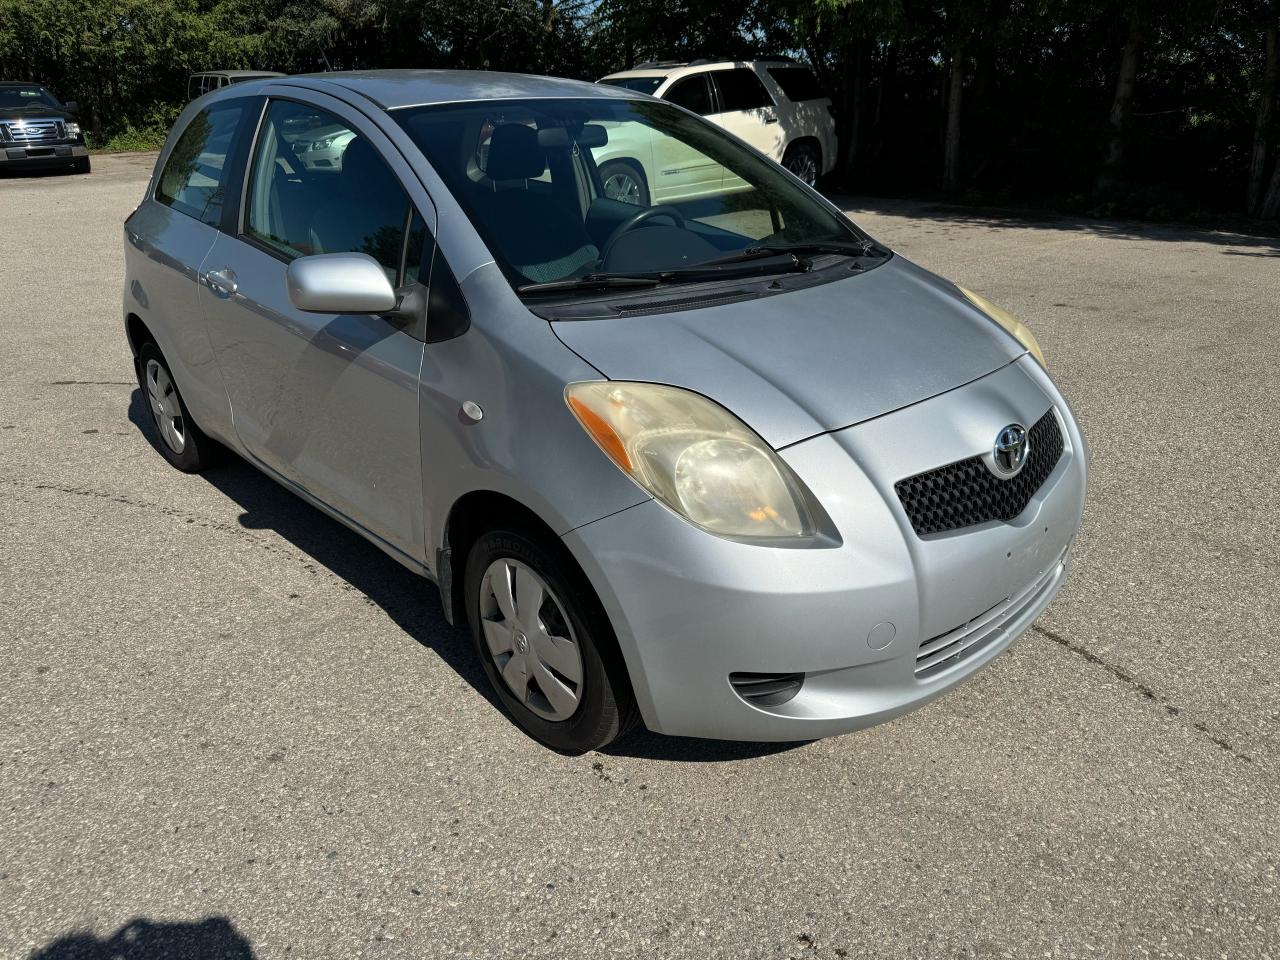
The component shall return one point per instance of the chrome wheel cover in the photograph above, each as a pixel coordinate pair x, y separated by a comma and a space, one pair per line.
165, 407
624, 187
804, 166
530, 639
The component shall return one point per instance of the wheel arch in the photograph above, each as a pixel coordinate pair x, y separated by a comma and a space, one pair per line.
137, 333
472, 515
806, 141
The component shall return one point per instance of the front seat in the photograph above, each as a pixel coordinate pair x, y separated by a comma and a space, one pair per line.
366, 211
540, 234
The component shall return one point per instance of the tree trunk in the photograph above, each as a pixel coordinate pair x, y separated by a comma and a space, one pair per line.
1121, 105
857, 102
1271, 202
955, 99
1262, 131
888, 74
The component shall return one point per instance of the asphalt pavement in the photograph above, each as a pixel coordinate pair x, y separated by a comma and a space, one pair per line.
230, 728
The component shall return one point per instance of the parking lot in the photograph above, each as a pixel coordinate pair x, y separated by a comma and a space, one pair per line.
229, 727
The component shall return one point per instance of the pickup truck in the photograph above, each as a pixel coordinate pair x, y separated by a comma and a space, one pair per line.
38, 130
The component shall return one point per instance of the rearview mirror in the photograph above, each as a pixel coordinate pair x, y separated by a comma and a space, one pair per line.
339, 283
72, 106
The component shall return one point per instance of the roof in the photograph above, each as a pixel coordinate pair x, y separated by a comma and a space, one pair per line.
20, 83
695, 66
391, 89
237, 73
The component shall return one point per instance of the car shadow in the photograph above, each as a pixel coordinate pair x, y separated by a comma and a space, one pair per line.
1235, 237
213, 938
411, 602
644, 744
39, 172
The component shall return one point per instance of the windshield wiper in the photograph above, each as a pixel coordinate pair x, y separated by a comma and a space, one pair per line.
592, 281
710, 270
850, 248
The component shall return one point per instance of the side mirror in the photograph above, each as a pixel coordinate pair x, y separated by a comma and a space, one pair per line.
73, 106
339, 283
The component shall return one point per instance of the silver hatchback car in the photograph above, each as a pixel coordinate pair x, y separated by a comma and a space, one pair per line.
728, 466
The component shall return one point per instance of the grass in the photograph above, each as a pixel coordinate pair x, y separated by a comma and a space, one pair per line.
127, 139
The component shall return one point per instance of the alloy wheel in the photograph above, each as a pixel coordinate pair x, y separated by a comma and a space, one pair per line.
530, 639
804, 166
165, 406
624, 187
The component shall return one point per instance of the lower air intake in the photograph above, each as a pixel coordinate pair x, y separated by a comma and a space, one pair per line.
766, 689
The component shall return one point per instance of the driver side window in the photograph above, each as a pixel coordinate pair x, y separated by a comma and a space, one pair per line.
317, 186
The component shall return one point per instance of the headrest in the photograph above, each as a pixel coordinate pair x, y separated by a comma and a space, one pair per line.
361, 164
514, 153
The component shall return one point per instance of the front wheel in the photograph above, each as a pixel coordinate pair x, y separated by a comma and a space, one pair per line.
545, 643
82, 165
623, 181
804, 161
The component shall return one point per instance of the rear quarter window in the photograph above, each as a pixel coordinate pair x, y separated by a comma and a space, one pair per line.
797, 83
195, 173
740, 89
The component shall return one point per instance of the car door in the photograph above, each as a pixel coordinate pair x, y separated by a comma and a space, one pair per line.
746, 109
167, 239
681, 172
327, 402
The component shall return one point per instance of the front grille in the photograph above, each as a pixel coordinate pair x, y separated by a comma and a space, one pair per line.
766, 689
966, 493
959, 643
34, 131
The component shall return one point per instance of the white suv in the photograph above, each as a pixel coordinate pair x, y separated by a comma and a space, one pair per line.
776, 106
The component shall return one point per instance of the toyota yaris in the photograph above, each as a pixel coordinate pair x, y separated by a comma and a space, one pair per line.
729, 466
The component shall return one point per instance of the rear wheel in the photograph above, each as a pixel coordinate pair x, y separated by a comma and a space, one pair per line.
804, 160
181, 442
545, 643
624, 181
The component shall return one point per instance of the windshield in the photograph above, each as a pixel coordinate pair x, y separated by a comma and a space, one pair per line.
32, 96
560, 189
638, 84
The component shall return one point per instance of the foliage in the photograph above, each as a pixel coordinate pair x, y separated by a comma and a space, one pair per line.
1021, 94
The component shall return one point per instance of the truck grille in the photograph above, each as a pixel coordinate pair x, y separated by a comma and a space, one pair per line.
966, 493
33, 131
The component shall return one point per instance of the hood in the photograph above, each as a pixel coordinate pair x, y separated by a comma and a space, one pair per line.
36, 110
810, 361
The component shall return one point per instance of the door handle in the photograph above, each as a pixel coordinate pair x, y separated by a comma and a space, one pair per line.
222, 282
769, 119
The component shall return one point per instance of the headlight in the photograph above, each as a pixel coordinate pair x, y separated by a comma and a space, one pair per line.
73, 129
1009, 322
322, 145
694, 456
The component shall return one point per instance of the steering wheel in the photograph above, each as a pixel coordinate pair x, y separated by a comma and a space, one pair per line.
637, 218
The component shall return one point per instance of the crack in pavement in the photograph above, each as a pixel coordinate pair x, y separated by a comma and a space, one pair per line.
1170, 709
92, 383
406, 612
312, 566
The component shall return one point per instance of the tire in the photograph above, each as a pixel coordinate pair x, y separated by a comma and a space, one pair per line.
82, 165
178, 438
625, 181
590, 703
805, 161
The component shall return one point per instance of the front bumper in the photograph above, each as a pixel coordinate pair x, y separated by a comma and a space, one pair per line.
859, 613
44, 155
